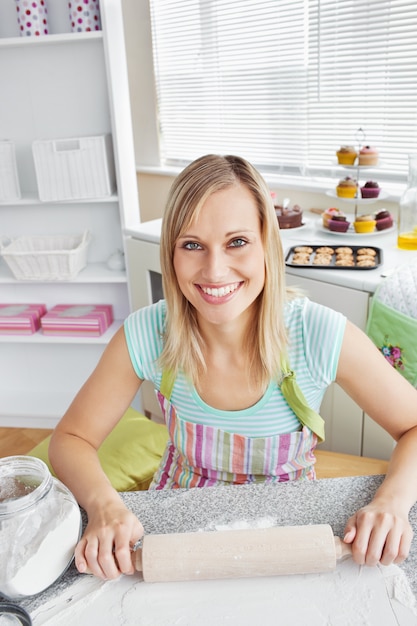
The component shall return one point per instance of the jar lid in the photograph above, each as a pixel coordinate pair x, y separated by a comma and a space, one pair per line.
16, 614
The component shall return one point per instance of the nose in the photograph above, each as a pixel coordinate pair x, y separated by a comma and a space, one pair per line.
216, 266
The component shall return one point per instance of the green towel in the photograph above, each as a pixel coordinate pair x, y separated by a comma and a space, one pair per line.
395, 335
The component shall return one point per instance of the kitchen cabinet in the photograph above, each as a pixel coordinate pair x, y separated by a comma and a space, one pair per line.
58, 86
348, 429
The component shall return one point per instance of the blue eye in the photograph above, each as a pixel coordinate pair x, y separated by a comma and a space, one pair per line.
192, 245
238, 243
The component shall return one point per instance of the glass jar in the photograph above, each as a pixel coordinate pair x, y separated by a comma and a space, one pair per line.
407, 216
40, 525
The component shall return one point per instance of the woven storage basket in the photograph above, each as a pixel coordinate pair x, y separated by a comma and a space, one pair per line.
47, 257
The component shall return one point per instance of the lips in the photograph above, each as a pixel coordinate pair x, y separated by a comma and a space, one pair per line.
219, 292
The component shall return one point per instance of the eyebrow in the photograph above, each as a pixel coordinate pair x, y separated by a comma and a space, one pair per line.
232, 233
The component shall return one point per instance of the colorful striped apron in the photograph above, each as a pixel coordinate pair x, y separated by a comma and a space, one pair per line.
203, 456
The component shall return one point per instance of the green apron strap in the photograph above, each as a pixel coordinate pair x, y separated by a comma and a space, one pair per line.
296, 400
167, 383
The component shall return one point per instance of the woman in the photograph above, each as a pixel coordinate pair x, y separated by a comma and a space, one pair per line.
221, 350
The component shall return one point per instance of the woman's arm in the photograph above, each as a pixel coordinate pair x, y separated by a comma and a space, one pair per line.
112, 529
380, 531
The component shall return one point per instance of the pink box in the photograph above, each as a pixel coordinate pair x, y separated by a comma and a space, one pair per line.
82, 320
20, 319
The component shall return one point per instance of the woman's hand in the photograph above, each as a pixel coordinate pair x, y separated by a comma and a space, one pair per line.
105, 548
379, 533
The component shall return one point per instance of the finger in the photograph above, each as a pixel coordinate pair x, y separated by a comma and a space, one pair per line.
350, 530
405, 545
123, 554
91, 558
107, 559
80, 561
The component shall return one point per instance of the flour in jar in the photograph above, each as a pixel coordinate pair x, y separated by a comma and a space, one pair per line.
37, 547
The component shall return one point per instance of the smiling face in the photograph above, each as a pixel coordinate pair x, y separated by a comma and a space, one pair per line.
219, 261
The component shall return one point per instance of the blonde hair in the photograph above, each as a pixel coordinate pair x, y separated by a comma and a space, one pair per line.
267, 340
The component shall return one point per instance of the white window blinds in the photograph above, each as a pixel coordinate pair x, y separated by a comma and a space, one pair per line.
284, 84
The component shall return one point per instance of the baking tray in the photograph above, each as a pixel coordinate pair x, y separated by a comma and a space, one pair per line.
309, 263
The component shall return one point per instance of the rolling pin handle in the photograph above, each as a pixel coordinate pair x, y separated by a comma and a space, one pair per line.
343, 550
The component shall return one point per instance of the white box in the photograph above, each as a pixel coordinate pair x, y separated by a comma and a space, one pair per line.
9, 181
73, 169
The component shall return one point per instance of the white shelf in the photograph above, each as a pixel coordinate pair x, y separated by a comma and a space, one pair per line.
382, 196
29, 200
93, 273
49, 40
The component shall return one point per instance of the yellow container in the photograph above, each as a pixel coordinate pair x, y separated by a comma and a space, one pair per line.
408, 241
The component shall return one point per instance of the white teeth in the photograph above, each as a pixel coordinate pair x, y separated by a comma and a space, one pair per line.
220, 291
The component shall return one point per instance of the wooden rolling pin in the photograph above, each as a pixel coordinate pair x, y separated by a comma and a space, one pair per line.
239, 553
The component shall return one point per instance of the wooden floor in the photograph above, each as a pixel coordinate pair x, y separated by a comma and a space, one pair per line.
329, 464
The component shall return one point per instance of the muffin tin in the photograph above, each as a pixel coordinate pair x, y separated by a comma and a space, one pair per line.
333, 264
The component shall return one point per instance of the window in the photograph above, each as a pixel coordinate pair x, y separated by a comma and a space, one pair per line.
284, 84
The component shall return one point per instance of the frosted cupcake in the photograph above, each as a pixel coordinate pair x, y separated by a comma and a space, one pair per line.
339, 224
368, 156
347, 188
364, 224
383, 219
328, 214
346, 155
370, 189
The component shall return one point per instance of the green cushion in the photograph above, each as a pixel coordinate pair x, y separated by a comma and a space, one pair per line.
130, 455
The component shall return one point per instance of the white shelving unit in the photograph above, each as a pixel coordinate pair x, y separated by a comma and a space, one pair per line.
59, 86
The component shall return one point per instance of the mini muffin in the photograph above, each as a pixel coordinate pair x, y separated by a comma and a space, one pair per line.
328, 214
364, 224
347, 188
383, 219
344, 250
368, 156
346, 155
370, 189
324, 250
366, 262
322, 259
339, 224
305, 249
366, 252
345, 261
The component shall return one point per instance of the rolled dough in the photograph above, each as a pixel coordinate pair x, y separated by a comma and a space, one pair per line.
350, 596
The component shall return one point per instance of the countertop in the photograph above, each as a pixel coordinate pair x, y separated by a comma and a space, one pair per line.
329, 501
312, 232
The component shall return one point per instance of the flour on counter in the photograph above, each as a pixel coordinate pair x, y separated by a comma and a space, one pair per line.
262, 522
350, 596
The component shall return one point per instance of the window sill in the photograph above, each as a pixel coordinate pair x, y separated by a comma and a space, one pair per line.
308, 184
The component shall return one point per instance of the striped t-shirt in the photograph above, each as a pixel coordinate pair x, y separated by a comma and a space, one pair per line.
315, 337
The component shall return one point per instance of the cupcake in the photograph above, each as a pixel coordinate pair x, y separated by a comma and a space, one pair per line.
364, 224
338, 224
370, 189
383, 219
368, 156
346, 155
289, 217
347, 188
328, 214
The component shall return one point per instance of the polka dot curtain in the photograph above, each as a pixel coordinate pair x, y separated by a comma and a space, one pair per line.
85, 16
32, 17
